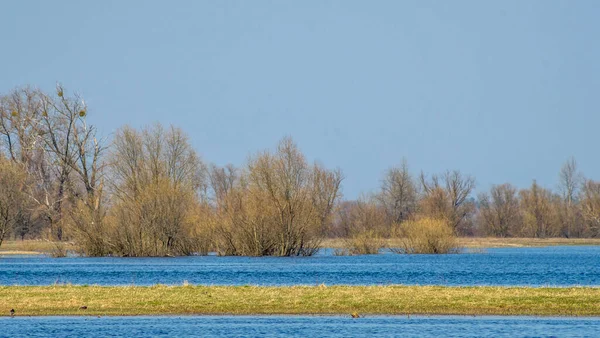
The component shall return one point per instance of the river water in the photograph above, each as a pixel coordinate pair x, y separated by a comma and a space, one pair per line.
298, 326
549, 266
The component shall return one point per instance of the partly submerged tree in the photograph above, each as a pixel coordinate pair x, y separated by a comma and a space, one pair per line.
278, 205
590, 207
156, 177
48, 135
12, 198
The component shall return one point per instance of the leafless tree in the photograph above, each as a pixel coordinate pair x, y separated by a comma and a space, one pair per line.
539, 218
590, 206
156, 178
326, 193
446, 197
285, 180
222, 181
398, 193
499, 211
570, 183
20, 116
277, 205
48, 135
77, 153
20, 142
12, 198
367, 226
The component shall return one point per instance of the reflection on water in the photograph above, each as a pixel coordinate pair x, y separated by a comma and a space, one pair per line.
301, 326
560, 266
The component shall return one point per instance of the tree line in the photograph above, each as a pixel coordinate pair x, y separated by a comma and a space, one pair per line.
147, 192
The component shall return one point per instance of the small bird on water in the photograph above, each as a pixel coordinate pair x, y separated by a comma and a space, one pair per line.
12, 312
355, 315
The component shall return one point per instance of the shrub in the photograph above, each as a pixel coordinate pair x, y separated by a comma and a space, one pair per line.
364, 225
279, 205
368, 242
426, 236
59, 250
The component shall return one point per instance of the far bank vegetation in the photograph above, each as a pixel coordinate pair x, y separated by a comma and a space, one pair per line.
148, 192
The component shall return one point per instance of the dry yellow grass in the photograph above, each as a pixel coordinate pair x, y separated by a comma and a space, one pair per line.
135, 300
492, 242
17, 252
487, 242
34, 247
30, 247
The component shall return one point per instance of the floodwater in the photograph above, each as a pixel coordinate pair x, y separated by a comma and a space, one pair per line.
299, 326
547, 266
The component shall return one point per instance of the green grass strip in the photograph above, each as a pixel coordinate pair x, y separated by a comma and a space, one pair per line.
344, 300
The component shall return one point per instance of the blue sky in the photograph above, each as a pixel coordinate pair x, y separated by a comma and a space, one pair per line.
503, 90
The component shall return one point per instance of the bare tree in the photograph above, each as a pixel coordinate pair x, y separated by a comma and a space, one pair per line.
285, 180
20, 116
222, 182
570, 183
12, 198
156, 179
447, 198
398, 193
590, 206
326, 193
49, 136
58, 125
343, 221
539, 218
246, 221
21, 142
77, 153
58, 149
499, 211
366, 224
278, 205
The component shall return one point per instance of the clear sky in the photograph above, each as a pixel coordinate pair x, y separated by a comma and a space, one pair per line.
503, 90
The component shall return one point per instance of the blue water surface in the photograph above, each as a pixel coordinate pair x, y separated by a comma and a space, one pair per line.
547, 266
298, 326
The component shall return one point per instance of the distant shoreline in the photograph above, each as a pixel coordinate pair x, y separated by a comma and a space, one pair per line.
489, 242
298, 300
38, 247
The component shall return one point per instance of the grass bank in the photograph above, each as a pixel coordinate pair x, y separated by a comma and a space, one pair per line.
316, 300
32, 247
492, 242
35, 247
486, 242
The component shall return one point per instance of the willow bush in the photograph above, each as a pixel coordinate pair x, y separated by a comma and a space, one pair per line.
426, 236
365, 225
368, 242
278, 205
155, 182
